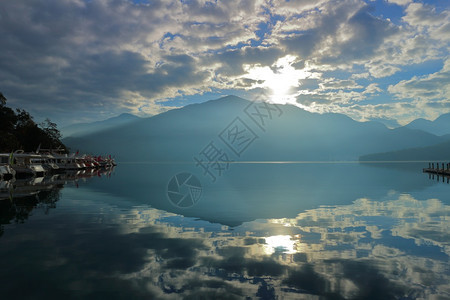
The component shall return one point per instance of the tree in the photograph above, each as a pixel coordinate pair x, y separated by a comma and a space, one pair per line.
8, 119
51, 129
52, 135
19, 131
2, 99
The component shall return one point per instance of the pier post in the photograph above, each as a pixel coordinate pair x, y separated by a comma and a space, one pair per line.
432, 165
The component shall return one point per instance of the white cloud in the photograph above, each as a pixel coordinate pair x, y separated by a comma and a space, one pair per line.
337, 84
435, 86
400, 2
372, 89
426, 19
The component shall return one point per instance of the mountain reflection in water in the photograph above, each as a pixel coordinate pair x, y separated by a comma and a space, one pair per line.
96, 244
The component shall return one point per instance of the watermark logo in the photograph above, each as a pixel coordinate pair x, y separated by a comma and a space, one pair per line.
213, 161
262, 113
184, 190
237, 136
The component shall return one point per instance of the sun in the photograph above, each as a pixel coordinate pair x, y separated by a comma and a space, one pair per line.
282, 79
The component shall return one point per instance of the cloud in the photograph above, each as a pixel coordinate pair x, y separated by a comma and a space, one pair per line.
426, 88
427, 20
86, 55
400, 2
100, 58
337, 84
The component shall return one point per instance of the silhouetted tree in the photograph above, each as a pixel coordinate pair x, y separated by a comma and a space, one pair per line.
8, 119
2, 99
19, 131
51, 129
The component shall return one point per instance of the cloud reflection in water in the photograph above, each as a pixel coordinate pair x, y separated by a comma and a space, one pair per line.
369, 249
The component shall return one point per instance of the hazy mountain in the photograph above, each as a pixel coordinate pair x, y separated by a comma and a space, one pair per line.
181, 134
440, 126
390, 123
440, 151
89, 128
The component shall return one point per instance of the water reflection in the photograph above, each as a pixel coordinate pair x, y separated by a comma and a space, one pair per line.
102, 245
261, 191
19, 197
439, 178
369, 249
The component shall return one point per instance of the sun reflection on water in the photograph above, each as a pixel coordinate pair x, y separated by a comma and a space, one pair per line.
280, 243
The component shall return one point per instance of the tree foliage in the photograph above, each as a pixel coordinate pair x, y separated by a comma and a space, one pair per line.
19, 131
2, 99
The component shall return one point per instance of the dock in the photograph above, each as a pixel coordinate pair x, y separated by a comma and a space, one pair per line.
438, 170
18, 164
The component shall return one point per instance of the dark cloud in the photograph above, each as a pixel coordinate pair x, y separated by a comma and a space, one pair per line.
83, 56
369, 32
233, 61
233, 260
303, 44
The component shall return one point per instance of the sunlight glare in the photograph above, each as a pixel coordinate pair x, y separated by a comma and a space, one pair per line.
280, 242
282, 79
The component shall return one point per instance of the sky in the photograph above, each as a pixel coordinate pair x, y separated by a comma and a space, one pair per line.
86, 60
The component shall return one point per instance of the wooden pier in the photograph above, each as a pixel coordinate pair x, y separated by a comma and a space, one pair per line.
438, 170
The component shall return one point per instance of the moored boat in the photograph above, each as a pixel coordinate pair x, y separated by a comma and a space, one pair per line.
27, 164
23, 165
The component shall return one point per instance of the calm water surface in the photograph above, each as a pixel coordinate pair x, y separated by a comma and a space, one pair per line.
261, 231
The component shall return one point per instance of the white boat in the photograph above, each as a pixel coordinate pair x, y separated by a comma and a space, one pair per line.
22, 165
27, 164
49, 162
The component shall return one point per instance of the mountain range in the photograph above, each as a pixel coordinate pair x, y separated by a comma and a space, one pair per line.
267, 133
440, 126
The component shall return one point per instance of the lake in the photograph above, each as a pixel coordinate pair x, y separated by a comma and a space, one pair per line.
241, 230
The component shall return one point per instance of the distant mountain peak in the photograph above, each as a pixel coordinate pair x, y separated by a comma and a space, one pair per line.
440, 126
123, 116
228, 98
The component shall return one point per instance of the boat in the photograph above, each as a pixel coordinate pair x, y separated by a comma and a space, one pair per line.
24, 165
49, 163
27, 164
